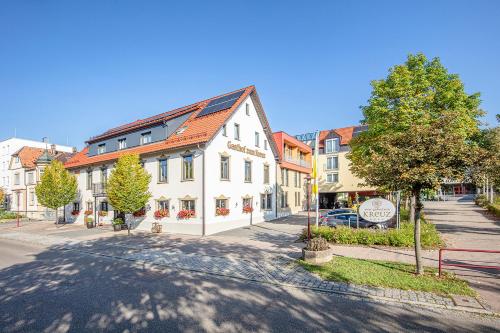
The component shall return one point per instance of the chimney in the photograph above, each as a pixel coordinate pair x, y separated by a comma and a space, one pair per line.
52, 149
74, 150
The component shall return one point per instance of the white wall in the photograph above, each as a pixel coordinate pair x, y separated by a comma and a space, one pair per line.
9, 147
176, 189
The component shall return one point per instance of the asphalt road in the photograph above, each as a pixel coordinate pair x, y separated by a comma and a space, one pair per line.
54, 290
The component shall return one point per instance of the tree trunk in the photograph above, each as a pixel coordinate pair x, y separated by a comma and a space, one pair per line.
418, 250
411, 214
406, 203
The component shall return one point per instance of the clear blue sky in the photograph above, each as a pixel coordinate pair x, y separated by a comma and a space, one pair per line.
72, 69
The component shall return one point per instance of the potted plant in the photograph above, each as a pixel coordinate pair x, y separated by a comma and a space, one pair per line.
247, 209
317, 251
117, 224
89, 222
161, 213
221, 211
185, 214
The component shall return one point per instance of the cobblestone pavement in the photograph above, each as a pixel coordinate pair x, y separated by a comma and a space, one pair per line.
276, 269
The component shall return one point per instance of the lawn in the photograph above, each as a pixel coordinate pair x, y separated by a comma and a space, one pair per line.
389, 275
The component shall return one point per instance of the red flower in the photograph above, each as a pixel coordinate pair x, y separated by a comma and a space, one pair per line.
185, 214
139, 213
222, 211
247, 209
161, 213
76, 212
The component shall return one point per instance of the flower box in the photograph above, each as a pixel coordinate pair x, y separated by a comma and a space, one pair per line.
161, 213
88, 212
247, 209
75, 212
139, 213
185, 214
221, 211
103, 213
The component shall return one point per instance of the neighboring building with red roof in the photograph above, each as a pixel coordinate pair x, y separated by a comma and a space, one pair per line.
336, 181
294, 165
215, 158
26, 168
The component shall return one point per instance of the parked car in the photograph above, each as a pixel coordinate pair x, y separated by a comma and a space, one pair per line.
337, 211
349, 220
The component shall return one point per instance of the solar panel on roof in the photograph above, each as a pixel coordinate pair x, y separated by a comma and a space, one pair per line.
221, 103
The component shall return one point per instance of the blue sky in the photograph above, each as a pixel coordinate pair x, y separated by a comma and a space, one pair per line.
72, 69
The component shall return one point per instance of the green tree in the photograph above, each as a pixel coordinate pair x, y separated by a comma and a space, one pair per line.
2, 195
420, 123
57, 187
485, 171
128, 185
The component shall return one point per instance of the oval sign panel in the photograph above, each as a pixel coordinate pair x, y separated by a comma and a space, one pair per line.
377, 210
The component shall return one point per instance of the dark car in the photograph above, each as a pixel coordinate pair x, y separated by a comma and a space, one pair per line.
350, 220
338, 211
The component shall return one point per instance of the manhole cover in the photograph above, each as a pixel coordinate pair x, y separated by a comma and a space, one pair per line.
466, 301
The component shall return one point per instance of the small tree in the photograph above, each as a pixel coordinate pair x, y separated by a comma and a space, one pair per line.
128, 185
57, 188
420, 123
2, 196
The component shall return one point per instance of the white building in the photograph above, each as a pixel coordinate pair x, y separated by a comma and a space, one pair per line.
207, 158
11, 146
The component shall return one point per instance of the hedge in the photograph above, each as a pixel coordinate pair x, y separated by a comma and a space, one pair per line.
403, 237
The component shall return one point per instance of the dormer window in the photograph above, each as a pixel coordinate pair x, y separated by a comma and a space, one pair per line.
332, 146
17, 159
122, 143
101, 149
145, 138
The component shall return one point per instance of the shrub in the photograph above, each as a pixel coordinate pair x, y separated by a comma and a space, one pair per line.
481, 200
118, 221
8, 215
392, 237
495, 209
317, 244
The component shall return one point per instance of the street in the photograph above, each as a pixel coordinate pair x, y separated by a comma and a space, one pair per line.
49, 289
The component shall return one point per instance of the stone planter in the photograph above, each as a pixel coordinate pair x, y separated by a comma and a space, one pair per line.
317, 257
117, 227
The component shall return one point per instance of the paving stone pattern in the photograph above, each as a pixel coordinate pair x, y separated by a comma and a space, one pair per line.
273, 269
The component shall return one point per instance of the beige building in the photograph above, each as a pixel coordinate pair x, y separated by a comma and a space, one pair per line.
26, 169
336, 181
294, 165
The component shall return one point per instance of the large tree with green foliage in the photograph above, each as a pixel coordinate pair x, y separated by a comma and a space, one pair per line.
57, 187
128, 185
420, 123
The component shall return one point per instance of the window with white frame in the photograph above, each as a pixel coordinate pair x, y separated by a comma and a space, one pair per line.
247, 202
122, 143
163, 204
247, 109
332, 177
284, 199
163, 170
265, 144
332, 146
101, 149
90, 206
266, 201
266, 174
257, 139
187, 167
89, 179
17, 178
188, 205
332, 163
31, 178
221, 203
224, 130
224, 167
146, 138
32, 198
236, 131
248, 171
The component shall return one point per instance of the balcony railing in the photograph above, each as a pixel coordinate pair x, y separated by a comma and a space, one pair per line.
297, 161
98, 189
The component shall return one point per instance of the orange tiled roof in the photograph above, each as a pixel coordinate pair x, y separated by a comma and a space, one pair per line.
198, 131
28, 156
345, 134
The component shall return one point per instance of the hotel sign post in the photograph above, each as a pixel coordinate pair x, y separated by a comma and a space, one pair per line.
377, 210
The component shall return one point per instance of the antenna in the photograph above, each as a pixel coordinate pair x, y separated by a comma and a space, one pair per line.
15, 132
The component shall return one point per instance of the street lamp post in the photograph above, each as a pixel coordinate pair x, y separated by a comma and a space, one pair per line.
18, 196
308, 180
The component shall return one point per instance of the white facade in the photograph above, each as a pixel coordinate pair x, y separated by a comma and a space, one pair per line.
206, 186
9, 147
